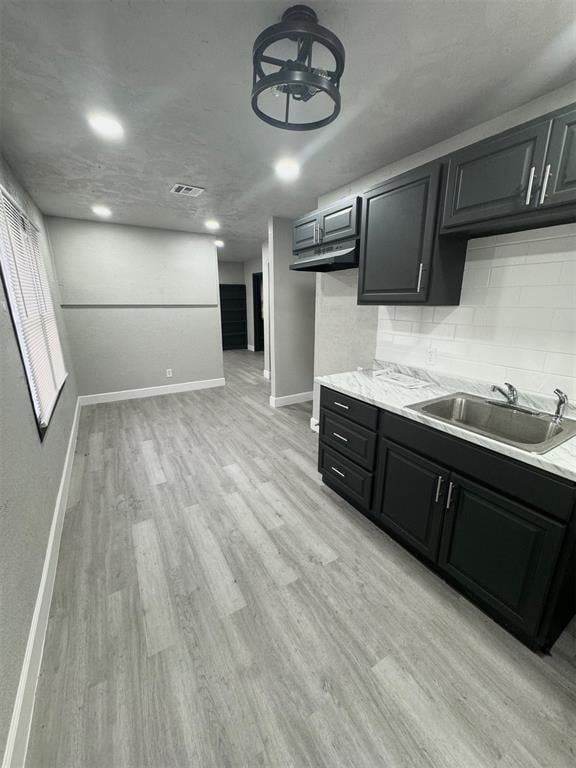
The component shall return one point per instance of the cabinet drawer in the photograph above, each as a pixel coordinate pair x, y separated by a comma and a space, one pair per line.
355, 442
355, 410
346, 477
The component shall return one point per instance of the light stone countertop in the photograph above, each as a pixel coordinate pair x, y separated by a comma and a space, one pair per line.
396, 398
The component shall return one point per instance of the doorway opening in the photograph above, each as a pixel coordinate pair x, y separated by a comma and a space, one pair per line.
258, 313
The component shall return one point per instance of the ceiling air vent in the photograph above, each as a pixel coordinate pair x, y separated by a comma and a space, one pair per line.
187, 189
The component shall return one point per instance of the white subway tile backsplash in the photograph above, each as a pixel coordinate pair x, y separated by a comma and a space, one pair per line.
516, 320
527, 274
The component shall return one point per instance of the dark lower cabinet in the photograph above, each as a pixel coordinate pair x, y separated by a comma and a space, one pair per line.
500, 531
501, 551
411, 495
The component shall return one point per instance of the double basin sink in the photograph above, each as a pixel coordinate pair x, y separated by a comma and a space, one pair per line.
511, 424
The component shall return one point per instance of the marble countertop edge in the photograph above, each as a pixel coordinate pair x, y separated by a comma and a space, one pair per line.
397, 399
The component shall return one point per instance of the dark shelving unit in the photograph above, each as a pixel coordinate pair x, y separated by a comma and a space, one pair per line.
233, 314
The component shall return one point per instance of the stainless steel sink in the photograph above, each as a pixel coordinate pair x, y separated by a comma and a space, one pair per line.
529, 430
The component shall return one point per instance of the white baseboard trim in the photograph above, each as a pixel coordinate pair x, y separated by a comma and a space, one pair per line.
299, 397
314, 424
251, 348
133, 394
19, 731
266, 373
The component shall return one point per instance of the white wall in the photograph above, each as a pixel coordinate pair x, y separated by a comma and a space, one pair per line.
266, 297
250, 267
231, 272
341, 323
152, 304
516, 320
30, 473
292, 300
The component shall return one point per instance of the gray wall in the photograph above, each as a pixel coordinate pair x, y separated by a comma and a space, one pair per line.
30, 473
341, 325
254, 265
231, 272
153, 304
292, 299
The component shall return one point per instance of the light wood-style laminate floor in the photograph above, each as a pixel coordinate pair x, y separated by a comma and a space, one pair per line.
217, 607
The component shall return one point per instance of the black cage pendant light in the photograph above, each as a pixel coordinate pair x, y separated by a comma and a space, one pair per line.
297, 69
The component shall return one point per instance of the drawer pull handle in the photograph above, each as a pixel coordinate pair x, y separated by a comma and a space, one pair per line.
449, 497
341, 405
337, 471
545, 184
530, 184
340, 437
439, 484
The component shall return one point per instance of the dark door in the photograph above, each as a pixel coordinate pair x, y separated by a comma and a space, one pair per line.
233, 315
500, 550
305, 232
258, 311
560, 169
412, 491
339, 221
497, 177
398, 237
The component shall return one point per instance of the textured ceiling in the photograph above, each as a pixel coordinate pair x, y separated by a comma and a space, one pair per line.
178, 74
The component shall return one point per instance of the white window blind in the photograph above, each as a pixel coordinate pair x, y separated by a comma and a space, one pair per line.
32, 309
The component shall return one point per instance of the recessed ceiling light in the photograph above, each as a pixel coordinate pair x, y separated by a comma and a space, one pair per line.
102, 210
287, 169
212, 224
219, 243
106, 125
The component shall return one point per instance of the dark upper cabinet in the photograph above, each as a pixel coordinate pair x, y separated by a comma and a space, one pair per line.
339, 221
559, 182
398, 237
304, 232
523, 178
497, 177
411, 494
501, 551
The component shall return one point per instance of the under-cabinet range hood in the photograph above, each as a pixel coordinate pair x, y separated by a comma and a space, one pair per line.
328, 258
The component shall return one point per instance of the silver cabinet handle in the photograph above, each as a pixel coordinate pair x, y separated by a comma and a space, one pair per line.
530, 184
341, 405
320, 233
439, 484
315, 239
449, 497
419, 278
337, 471
545, 183
340, 437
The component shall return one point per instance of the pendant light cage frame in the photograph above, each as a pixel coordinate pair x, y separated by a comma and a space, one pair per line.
298, 80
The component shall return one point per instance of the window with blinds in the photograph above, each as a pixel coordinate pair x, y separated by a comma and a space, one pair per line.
28, 292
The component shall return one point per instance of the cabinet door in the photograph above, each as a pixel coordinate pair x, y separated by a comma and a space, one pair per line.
304, 233
496, 177
501, 551
411, 497
398, 237
560, 170
339, 221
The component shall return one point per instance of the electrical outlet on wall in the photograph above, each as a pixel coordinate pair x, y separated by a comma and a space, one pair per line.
168, 373
431, 353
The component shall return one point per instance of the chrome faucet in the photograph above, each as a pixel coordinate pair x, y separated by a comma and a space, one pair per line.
562, 403
510, 393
